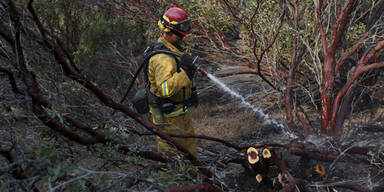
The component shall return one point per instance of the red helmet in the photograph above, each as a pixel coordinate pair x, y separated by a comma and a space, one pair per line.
175, 19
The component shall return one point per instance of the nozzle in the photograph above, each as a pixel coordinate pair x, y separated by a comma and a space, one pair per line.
194, 62
202, 71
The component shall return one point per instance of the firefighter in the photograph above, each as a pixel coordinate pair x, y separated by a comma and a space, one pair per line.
171, 81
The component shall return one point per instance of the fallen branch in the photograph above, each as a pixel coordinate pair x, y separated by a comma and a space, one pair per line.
353, 154
226, 143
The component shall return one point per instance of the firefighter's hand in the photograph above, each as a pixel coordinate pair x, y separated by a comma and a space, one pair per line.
186, 62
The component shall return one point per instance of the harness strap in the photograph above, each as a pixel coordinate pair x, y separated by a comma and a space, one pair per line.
157, 48
148, 53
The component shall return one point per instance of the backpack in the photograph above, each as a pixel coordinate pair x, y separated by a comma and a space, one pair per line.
141, 99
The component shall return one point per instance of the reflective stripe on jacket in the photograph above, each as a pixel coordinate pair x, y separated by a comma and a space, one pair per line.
165, 81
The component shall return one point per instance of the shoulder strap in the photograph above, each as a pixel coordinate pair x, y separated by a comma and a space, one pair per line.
150, 51
157, 48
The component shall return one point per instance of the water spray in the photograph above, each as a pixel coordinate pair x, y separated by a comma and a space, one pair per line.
223, 86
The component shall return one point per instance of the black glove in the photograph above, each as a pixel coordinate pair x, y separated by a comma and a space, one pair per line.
194, 99
186, 62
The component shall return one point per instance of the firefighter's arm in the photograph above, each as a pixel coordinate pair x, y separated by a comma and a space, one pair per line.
168, 80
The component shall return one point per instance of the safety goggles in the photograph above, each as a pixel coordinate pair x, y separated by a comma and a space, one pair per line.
184, 25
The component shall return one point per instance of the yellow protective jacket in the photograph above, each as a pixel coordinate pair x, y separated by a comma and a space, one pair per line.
166, 82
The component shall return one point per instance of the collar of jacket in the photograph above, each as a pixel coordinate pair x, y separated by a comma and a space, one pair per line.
169, 45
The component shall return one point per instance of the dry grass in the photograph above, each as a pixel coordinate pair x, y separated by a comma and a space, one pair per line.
226, 121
